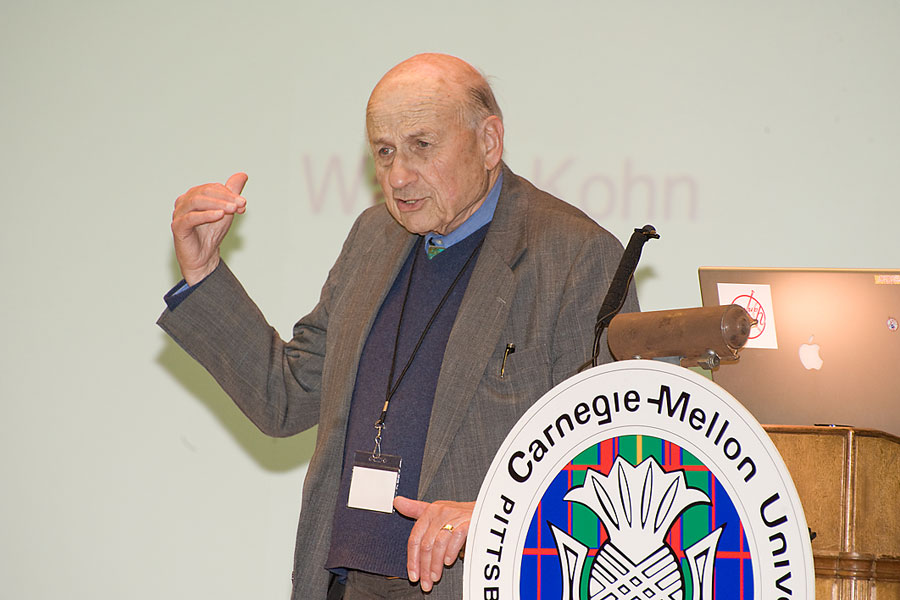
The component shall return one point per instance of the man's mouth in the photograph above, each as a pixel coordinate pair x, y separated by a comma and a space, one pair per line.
408, 202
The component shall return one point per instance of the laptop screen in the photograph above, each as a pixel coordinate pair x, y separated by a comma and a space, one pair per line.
826, 349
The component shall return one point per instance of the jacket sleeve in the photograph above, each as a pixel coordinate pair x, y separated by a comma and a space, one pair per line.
276, 384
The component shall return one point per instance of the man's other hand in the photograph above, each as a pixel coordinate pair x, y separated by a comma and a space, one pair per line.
200, 221
437, 538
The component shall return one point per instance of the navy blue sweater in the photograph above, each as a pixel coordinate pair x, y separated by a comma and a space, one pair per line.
372, 541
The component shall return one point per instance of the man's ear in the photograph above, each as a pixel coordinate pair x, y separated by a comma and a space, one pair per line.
492, 141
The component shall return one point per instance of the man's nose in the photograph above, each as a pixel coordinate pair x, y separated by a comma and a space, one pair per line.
401, 174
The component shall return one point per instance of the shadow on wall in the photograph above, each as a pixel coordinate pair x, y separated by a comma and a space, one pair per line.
272, 454
277, 455
642, 274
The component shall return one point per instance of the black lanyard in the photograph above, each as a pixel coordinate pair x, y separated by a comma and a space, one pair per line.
392, 389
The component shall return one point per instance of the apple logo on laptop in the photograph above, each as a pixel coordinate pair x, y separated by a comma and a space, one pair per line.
809, 355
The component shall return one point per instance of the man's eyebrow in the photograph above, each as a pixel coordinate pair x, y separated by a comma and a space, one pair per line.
419, 134
380, 141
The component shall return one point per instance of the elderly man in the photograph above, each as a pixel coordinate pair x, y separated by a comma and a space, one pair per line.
444, 318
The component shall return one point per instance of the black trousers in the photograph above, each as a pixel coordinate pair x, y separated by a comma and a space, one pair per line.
366, 586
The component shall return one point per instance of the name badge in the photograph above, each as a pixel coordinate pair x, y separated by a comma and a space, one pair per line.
374, 481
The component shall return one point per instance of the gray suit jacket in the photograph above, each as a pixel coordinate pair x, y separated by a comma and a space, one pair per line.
538, 282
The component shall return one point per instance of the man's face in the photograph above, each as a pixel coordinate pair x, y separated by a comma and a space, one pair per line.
429, 162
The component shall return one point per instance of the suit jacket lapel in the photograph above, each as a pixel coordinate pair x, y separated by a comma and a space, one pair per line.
375, 272
479, 323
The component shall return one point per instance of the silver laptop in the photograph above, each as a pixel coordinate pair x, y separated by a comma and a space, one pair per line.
826, 349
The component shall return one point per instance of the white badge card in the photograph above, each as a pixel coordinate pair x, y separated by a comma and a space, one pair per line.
374, 481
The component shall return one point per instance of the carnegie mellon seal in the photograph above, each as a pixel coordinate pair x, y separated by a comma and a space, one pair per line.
638, 480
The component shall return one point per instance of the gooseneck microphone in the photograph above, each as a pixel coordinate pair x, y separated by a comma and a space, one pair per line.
618, 288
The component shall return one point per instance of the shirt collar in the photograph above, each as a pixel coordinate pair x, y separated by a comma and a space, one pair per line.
479, 219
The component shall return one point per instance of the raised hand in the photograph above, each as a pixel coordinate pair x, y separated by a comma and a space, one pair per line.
437, 538
201, 218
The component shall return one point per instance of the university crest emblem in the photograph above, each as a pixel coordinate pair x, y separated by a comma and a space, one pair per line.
634, 514
638, 481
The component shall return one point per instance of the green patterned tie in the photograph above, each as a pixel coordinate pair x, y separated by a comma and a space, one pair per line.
433, 250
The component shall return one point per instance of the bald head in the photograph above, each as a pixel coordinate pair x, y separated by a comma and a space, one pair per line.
441, 77
437, 141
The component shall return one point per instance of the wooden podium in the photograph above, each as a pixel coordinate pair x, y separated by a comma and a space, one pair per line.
848, 481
